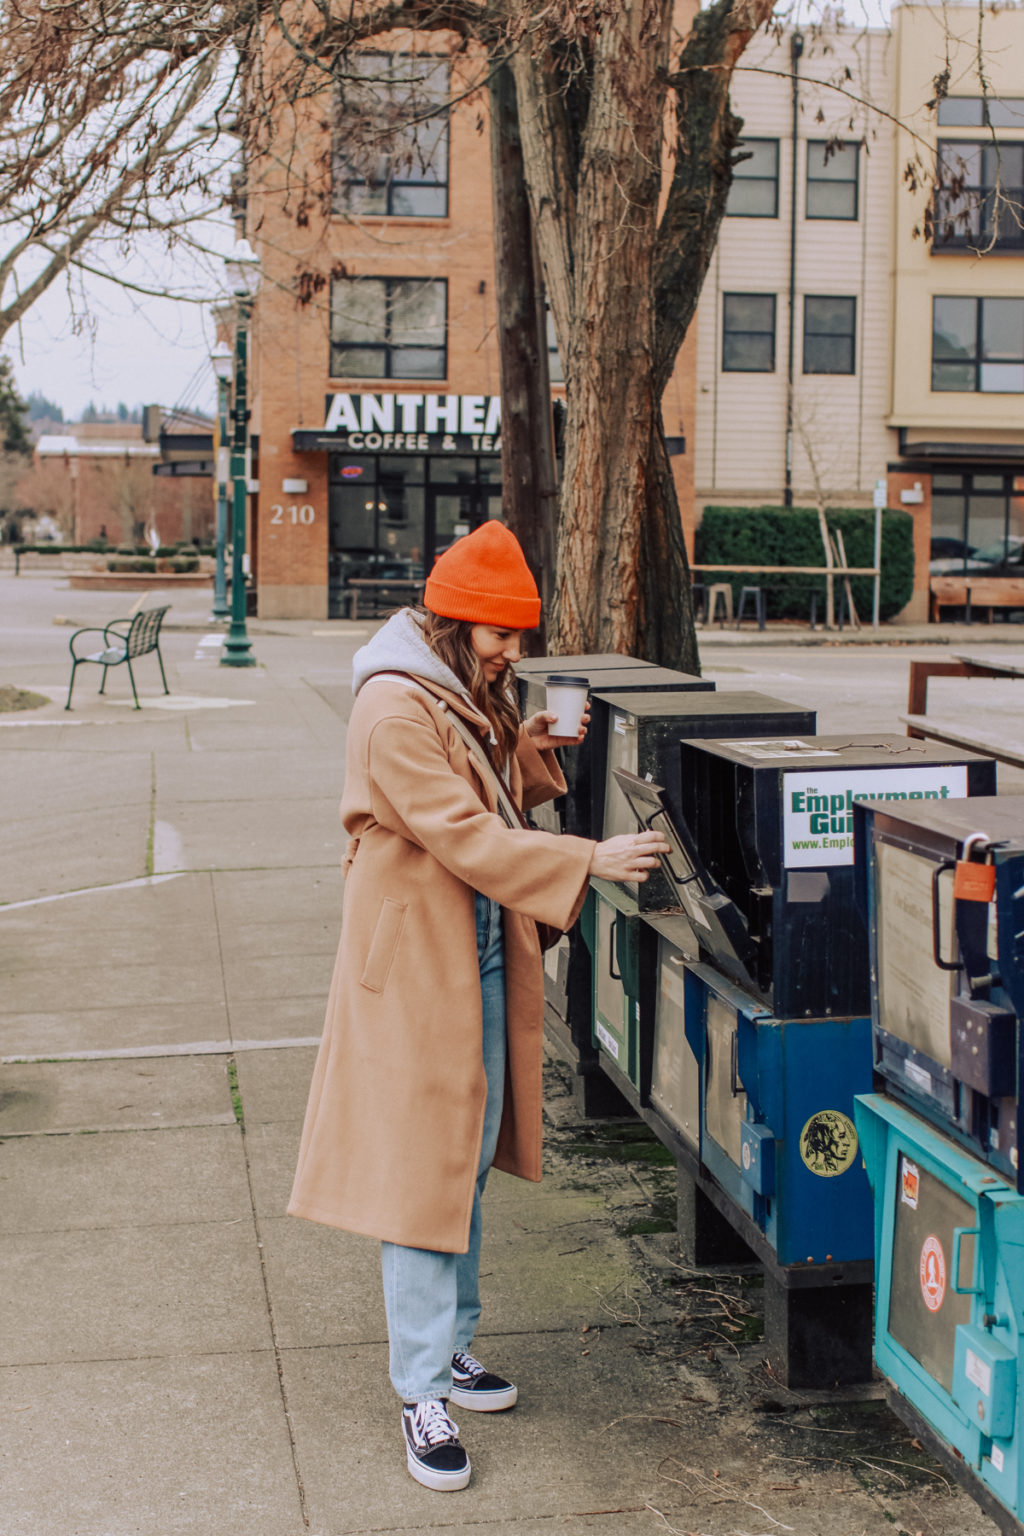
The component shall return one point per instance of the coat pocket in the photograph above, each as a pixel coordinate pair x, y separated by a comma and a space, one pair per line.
383, 945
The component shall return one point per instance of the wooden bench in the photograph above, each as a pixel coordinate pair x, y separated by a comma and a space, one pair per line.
969, 592
121, 647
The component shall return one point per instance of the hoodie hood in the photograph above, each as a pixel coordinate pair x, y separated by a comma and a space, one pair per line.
400, 647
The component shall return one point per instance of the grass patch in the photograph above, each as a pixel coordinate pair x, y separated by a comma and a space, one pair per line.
622, 1142
12, 699
236, 1096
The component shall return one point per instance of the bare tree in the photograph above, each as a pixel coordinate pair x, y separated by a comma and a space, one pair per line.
114, 120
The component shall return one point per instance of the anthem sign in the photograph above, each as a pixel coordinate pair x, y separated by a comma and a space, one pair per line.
407, 423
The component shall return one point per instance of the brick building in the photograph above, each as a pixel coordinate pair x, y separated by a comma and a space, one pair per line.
376, 396
103, 480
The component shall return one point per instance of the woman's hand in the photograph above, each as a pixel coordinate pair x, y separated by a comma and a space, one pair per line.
629, 857
537, 730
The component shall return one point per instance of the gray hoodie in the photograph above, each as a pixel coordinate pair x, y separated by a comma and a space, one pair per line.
400, 647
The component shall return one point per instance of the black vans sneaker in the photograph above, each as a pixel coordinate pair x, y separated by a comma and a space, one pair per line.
432, 1450
475, 1387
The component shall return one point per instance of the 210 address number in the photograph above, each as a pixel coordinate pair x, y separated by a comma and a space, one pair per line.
294, 514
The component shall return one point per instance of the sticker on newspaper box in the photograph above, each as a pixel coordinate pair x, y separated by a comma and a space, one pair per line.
607, 1039
828, 1143
817, 817
933, 1274
910, 1183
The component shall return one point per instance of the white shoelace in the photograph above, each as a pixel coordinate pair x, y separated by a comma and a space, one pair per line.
467, 1364
431, 1423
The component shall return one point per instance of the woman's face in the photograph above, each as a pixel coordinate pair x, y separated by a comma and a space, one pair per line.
495, 649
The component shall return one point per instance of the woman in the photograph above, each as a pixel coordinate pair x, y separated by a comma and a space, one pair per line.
430, 1067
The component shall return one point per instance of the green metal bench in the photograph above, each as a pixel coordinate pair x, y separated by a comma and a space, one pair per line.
122, 647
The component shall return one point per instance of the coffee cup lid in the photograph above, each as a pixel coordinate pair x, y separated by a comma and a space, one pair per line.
562, 680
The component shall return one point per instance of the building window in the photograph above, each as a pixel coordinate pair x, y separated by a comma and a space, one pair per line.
979, 197
830, 332
978, 345
832, 172
748, 333
754, 193
977, 522
388, 328
969, 112
391, 136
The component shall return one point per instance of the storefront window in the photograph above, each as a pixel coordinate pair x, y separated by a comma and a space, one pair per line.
977, 522
391, 516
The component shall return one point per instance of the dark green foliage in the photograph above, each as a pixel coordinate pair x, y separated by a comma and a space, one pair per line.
14, 434
790, 536
179, 564
136, 564
42, 409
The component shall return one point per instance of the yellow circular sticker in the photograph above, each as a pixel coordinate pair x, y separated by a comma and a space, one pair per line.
828, 1143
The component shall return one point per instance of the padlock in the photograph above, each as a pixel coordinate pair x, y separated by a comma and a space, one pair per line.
972, 880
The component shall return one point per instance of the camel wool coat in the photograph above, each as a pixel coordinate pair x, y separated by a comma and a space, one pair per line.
394, 1124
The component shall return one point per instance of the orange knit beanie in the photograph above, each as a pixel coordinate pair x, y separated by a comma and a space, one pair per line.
484, 578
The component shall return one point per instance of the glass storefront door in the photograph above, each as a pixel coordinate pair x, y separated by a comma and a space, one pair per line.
392, 515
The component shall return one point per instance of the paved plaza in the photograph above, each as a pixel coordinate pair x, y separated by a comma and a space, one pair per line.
177, 1355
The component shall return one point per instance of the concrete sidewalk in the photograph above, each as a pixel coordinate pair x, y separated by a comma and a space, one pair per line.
179, 1356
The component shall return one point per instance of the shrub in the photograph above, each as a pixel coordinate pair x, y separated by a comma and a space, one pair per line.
790, 536
182, 564
136, 564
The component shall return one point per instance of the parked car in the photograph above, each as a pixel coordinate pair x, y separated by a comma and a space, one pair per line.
1000, 558
945, 548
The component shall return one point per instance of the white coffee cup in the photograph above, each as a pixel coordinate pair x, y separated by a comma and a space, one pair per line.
567, 698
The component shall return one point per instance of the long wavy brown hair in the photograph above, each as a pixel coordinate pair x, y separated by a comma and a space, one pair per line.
449, 639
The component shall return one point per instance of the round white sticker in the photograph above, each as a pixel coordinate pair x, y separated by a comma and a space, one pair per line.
933, 1274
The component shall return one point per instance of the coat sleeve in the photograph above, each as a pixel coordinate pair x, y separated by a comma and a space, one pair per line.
541, 776
416, 792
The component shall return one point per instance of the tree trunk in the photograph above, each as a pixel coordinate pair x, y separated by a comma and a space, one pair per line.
594, 196
528, 481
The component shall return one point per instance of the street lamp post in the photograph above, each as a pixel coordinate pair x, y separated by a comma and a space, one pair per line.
244, 278
220, 357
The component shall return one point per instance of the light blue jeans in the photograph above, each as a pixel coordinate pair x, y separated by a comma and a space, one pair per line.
432, 1299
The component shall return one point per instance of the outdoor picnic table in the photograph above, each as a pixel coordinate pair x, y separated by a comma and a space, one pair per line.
377, 584
963, 732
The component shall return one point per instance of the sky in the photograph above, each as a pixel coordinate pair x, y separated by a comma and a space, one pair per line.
102, 343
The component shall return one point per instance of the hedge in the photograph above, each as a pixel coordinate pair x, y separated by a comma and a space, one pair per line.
791, 536
142, 564
183, 550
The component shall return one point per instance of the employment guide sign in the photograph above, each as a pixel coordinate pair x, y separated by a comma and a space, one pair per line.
817, 821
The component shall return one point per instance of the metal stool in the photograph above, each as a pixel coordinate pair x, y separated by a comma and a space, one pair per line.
757, 594
719, 591
699, 598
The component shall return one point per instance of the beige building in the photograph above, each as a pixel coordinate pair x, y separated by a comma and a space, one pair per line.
957, 405
793, 349
864, 314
